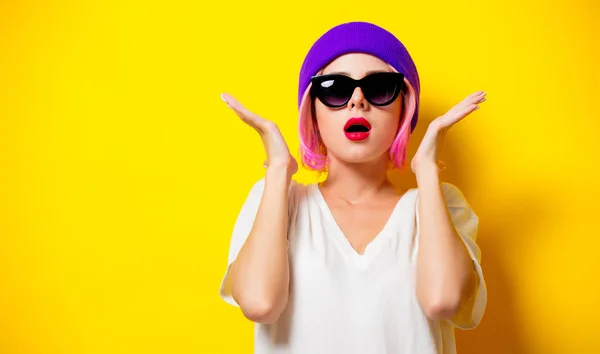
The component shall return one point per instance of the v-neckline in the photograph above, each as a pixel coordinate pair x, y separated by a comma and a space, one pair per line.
373, 247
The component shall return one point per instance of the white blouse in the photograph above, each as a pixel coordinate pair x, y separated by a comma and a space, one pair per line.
343, 302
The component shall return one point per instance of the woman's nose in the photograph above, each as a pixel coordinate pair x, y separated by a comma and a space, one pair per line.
357, 99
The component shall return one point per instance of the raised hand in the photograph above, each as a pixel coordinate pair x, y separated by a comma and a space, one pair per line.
278, 153
432, 142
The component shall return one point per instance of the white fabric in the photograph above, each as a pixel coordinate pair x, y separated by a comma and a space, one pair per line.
344, 302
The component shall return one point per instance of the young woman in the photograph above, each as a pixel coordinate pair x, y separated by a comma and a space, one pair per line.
355, 265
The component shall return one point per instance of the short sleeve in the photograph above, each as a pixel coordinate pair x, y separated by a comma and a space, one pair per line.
466, 224
241, 230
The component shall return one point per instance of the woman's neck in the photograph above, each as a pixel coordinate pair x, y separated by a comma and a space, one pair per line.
354, 182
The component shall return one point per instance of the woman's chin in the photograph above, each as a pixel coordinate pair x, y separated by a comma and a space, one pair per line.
359, 157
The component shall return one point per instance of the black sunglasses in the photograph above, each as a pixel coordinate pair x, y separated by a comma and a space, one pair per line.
335, 90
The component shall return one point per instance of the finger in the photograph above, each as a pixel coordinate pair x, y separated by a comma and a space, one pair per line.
234, 104
477, 98
476, 94
469, 103
474, 98
245, 114
225, 100
459, 115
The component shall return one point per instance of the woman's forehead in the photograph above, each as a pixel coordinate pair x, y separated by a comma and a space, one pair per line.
356, 65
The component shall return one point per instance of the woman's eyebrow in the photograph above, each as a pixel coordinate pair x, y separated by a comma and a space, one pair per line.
377, 71
339, 73
367, 73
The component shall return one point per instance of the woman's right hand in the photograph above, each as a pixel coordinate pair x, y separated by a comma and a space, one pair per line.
278, 153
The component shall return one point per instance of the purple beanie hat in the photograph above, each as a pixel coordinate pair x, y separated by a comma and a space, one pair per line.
359, 37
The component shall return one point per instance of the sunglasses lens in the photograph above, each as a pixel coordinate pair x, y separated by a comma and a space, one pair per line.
382, 89
334, 91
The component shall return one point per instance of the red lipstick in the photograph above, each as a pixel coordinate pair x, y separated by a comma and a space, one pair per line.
357, 129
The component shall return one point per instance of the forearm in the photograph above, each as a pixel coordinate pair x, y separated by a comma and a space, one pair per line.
260, 273
445, 275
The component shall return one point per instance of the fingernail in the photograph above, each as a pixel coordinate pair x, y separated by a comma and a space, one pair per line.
224, 100
476, 108
483, 100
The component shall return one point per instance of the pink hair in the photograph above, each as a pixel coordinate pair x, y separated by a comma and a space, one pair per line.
313, 152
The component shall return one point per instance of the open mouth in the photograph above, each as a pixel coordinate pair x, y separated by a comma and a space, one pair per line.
357, 125
357, 129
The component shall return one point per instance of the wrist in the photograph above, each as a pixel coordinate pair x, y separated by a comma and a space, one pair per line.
278, 175
425, 166
428, 172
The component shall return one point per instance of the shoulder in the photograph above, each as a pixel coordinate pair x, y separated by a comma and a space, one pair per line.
455, 199
464, 217
453, 194
297, 191
258, 187
300, 191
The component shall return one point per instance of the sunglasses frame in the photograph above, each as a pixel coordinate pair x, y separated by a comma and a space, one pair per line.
319, 79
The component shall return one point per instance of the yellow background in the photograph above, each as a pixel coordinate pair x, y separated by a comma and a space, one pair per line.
122, 171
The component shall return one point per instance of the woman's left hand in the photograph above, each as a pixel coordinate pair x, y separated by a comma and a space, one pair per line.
426, 155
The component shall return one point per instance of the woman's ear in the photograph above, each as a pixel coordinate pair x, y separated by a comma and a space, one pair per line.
409, 103
313, 115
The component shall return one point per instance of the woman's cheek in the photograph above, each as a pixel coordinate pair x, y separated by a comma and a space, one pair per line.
331, 129
386, 134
